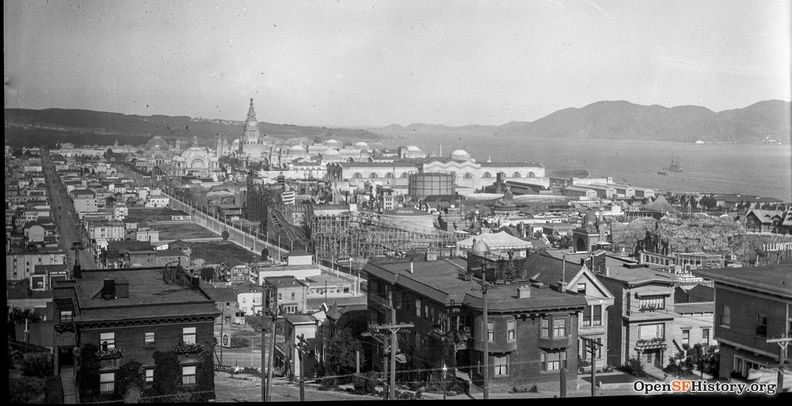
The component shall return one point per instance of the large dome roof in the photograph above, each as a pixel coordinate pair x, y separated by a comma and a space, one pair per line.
296, 148
331, 142
413, 148
157, 144
460, 155
361, 145
331, 152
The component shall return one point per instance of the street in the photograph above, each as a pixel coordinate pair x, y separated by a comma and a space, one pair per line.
64, 215
245, 388
241, 358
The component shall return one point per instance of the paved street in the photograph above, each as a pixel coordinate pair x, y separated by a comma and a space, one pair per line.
63, 213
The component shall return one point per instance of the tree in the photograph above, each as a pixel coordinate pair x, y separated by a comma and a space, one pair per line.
257, 323
341, 353
167, 373
130, 376
225, 235
88, 374
264, 254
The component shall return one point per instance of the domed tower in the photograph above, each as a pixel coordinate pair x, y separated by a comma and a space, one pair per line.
460, 155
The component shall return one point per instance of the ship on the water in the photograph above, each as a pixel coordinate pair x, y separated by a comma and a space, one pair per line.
674, 167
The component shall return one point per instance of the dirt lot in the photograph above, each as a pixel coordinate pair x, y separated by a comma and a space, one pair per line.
215, 252
149, 215
181, 231
248, 389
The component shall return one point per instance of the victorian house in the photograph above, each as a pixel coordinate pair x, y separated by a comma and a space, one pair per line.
641, 320
579, 278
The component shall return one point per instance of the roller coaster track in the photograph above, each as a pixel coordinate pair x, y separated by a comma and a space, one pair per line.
367, 233
293, 233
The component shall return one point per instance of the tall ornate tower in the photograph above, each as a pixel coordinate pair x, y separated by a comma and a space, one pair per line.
219, 148
250, 134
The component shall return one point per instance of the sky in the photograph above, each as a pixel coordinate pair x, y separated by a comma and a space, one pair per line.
370, 63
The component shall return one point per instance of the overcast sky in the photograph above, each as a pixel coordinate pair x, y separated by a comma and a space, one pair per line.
373, 63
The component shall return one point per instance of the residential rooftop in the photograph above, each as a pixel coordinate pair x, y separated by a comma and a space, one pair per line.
440, 281
149, 296
617, 268
775, 279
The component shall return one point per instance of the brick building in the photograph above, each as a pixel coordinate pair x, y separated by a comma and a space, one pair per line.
129, 315
532, 328
752, 305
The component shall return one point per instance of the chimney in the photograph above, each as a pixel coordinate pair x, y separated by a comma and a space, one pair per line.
563, 268
523, 292
412, 269
196, 282
77, 271
108, 290
562, 286
122, 289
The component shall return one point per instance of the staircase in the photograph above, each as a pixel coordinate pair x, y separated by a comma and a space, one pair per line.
68, 384
474, 392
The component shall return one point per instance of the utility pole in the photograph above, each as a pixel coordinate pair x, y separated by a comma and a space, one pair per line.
592, 347
222, 322
379, 331
485, 336
270, 306
782, 344
302, 352
394, 345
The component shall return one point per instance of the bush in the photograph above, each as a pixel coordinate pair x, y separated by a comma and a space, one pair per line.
53, 390
328, 384
129, 376
88, 374
167, 373
39, 365
635, 367
24, 390
365, 384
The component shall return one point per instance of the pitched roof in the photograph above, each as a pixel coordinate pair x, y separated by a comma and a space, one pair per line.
549, 269
219, 294
660, 205
766, 216
501, 240
439, 281
774, 279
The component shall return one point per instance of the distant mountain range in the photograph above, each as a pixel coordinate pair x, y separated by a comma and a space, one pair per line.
623, 120
66, 125
760, 122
